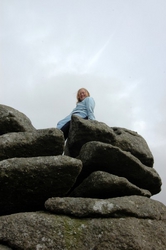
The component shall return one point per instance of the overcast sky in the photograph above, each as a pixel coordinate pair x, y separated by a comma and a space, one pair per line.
114, 48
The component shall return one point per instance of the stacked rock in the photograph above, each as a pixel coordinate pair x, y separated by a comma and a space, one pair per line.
87, 193
116, 161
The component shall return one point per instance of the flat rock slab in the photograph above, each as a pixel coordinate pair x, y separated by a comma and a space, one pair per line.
104, 185
105, 157
26, 183
133, 206
42, 142
12, 120
40, 230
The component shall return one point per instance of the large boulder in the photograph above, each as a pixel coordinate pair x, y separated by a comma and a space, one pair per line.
41, 230
42, 142
104, 185
109, 162
26, 183
133, 206
82, 131
12, 120
134, 143
105, 157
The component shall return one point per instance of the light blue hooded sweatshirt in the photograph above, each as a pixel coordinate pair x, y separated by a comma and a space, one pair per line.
83, 109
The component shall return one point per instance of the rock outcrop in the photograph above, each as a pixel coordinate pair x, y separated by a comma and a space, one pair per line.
82, 131
103, 185
133, 206
11, 120
96, 195
105, 157
43, 142
42, 230
26, 183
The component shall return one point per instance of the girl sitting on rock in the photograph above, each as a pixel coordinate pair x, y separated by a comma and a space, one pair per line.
84, 108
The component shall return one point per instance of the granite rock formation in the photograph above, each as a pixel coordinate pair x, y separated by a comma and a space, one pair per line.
82, 131
93, 193
12, 120
26, 183
42, 142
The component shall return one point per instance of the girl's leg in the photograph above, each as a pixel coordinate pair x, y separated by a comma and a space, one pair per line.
65, 129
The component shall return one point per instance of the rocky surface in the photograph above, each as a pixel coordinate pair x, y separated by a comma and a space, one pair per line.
41, 230
96, 196
104, 185
41, 142
26, 183
13, 120
3, 247
132, 206
105, 157
132, 142
82, 131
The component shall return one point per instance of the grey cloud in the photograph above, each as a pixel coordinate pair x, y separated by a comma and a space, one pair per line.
50, 49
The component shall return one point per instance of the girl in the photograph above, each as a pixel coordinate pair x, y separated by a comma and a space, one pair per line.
84, 108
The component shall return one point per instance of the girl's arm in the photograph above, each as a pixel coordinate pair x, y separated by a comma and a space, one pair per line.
90, 105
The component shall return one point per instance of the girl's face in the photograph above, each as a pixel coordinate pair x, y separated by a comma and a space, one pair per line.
82, 94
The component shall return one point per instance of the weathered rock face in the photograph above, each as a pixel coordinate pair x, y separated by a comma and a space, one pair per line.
105, 157
131, 142
2, 247
13, 121
40, 230
133, 206
104, 185
82, 131
97, 196
41, 142
26, 183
